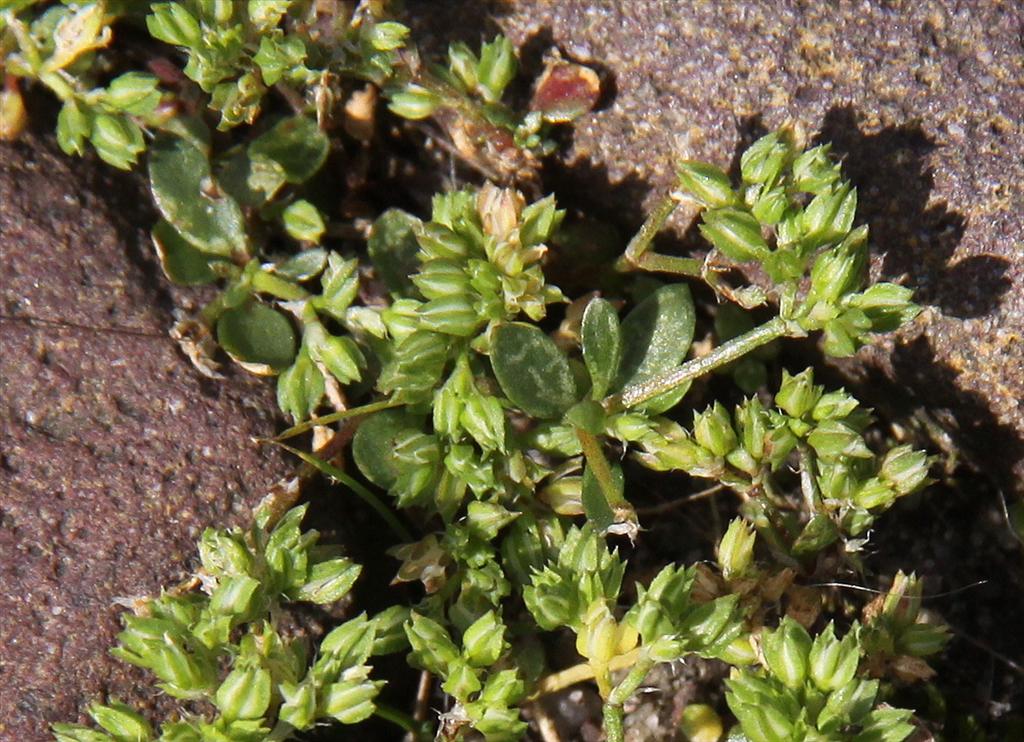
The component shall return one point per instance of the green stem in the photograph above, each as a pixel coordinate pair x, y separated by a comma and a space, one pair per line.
657, 263
642, 240
726, 353
602, 471
418, 730
366, 409
364, 494
278, 287
631, 682
613, 730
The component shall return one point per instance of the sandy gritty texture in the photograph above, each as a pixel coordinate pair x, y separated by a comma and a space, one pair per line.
923, 100
115, 452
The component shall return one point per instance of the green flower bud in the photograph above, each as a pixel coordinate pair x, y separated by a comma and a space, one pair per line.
484, 641
886, 305
329, 581
303, 222
706, 183
486, 519
814, 171
171, 22
432, 648
832, 439
874, 494
233, 596
785, 652
601, 638
736, 549
539, 221
770, 206
340, 355
245, 693
386, 36
834, 406
414, 102
437, 241
820, 532
118, 140
798, 395
440, 278
735, 233
922, 640
121, 721
497, 68
223, 554
840, 271
829, 215
299, 707
713, 430
905, 469
484, 419
451, 315
763, 161
462, 63
133, 92
350, 702
186, 674
832, 663
73, 128
462, 681
740, 652
551, 603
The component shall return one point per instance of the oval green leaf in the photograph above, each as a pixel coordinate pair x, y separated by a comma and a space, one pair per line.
256, 335
181, 262
375, 441
602, 345
532, 371
296, 145
188, 197
393, 247
656, 335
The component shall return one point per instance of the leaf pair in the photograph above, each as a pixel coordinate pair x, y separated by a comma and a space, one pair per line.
653, 339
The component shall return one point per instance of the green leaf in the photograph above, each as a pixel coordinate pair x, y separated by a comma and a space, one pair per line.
532, 371
183, 188
656, 335
392, 247
296, 145
303, 266
595, 504
256, 335
373, 447
303, 222
602, 345
300, 387
181, 262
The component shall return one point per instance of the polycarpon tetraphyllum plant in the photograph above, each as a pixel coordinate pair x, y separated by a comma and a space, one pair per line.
495, 424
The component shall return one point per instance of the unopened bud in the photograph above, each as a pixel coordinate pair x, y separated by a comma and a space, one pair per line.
414, 102
706, 183
785, 652
798, 395
713, 430
735, 233
905, 469
736, 549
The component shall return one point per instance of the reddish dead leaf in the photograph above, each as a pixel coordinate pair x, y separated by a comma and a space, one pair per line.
566, 91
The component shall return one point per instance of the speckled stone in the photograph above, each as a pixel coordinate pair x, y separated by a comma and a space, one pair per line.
114, 453
923, 100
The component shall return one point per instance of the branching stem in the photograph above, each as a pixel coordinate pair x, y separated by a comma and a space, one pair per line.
726, 353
